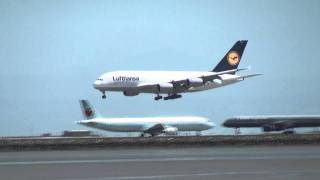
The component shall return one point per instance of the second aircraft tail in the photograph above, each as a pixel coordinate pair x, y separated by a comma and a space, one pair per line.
87, 109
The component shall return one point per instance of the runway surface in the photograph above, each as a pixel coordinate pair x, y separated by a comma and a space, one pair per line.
282, 162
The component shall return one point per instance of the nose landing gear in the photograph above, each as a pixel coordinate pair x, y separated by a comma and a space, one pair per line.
104, 95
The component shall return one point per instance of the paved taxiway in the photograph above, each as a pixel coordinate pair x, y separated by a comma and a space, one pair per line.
279, 162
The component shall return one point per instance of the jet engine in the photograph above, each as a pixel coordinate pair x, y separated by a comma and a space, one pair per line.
217, 81
165, 88
170, 130
130, 93
229, 78
194, 82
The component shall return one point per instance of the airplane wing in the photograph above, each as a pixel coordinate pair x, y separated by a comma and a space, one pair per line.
181, 85
278, 126
155, 129
284, 124
159, 128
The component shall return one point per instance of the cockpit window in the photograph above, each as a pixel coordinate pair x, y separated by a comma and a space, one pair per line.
100, 79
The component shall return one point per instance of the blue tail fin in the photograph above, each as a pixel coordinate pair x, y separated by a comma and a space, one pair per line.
232, 59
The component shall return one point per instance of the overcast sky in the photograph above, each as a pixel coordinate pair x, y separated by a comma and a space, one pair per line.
52, 51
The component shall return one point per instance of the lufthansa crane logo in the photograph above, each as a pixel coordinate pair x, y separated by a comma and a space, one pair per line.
233, 58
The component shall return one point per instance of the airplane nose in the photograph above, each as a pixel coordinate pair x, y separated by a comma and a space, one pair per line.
96, 84
225, 124
211, 124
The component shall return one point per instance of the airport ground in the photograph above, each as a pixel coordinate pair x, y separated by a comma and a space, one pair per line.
232, 162
77, 143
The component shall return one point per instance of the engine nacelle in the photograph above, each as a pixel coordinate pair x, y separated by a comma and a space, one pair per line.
170, 130
194, 82
130, 93
229, 77
165, 88
217, 81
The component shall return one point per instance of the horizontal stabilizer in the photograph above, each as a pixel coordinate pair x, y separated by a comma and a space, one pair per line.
242, 69
250, 75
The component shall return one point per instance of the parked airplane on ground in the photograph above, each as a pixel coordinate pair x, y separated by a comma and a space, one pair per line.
172, 83
152, 126
273, 123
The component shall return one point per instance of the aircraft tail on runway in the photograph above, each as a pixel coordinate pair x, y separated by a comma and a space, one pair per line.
232, 59
88, 110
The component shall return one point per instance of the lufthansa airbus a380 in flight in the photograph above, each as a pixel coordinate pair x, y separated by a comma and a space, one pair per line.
148, 125
173, 83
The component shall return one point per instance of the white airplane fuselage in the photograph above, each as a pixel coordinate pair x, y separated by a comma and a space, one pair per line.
173, 83
141, 124
129, 81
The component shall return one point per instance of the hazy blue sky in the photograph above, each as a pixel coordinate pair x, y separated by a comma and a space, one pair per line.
52, 51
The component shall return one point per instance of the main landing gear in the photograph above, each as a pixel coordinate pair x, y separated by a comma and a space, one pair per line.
237, 131
157, 97
173, 96
148, 134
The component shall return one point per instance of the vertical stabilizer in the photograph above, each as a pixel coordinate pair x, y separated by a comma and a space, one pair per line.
88, 110
232, 59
